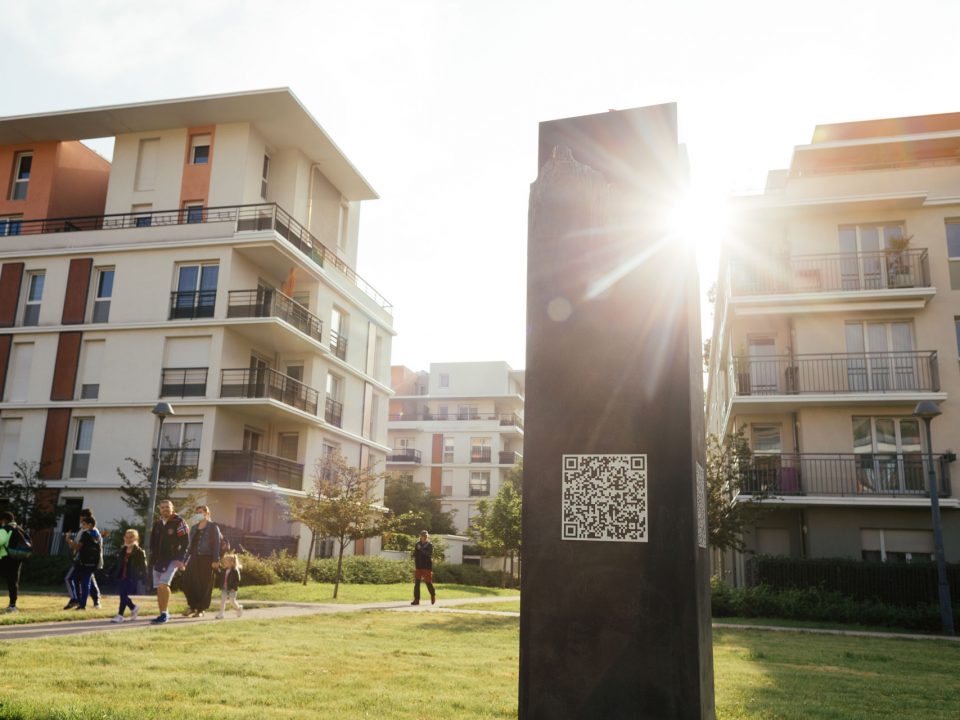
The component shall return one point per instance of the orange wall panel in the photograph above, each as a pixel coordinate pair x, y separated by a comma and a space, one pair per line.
6, 341
11, 275
195, 184
54, 443
42, 173
80, 182
78, 285
65, 366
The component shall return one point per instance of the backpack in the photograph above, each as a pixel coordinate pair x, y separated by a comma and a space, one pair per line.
89, 550
19, 547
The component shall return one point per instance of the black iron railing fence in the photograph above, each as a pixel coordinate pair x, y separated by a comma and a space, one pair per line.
182, 462
510, 457
874, 372
192, 305
258, 217
338, 345
273, 303
256, 467
841, 272
480, 455
505, 419
333, 412
404, 455
183, 382
869, 474
267, 383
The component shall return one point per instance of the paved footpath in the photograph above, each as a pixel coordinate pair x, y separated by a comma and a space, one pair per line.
265, 610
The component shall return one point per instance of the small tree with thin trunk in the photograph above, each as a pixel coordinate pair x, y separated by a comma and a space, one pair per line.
339, 506
735, 490
27, 496
497, 527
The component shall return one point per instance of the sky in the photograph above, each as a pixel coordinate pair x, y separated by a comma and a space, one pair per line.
437, 103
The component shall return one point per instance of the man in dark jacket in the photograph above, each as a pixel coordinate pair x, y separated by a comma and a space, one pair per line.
423, 564
169, 541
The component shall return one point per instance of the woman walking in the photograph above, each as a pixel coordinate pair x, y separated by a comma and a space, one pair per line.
203, 561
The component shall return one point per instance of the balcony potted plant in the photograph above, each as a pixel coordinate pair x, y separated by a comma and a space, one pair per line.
898, 262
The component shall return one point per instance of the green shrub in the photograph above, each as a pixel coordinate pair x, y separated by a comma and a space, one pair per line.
288, 568
471, 575
256, 570
45, 570
364, 570
400, 542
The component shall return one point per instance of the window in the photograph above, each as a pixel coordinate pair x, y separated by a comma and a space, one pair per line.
864, 269
766, 439
265, 177
879, 369
248, 518
10, 225
199, 149
338, 333
180, 448
889, 455
83, 441
479, 484
333, 407
196, 293
21, 175
147, 164
896, 546
446, 483
953, 252
295, 371
444, 380
252, 439
442, 412
480, 450
104, 292
91, 360
18, 374
448, 448
9, 444
31, 310
142, 214
467, 412
193, 212
288, 445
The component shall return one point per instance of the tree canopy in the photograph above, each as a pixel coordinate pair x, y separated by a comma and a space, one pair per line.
416, 508
731, 472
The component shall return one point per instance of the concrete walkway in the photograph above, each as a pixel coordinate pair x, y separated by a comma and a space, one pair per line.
265, 610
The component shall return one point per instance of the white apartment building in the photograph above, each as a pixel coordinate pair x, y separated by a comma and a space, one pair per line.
210, 265
457, 429
837, 311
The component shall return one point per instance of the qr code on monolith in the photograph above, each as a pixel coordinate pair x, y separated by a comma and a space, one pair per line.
605, 498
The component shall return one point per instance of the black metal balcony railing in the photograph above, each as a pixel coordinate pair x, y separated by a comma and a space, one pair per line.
192, 305
842, 272
273, 303
834, 373
267, 383
851, 474
510, 457
183, 382
333, 412
338, 345
480, 455
179, 462
256, 467
259, 217
505, 419
404, 455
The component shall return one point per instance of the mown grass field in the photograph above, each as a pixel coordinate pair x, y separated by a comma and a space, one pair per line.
411, 666
348, 594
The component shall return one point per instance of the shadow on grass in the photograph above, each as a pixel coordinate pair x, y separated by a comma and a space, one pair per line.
472, 589
458, 624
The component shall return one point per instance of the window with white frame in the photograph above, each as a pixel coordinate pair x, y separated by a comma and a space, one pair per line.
889, 454
200, 149
22, 163
88, 371
864, 268
883, 356
953, 252
10, 225
479, 484
103, 295
196, 293
448, 445
265, 177
142, 214
82, 444
193, 211
248, 518
288, 445
896, 546
338, 333
31, 306
480, 450
180, 447
468, 412
444, 380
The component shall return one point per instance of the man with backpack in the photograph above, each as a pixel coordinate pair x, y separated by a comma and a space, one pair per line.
89, 557
73, 573
14, 549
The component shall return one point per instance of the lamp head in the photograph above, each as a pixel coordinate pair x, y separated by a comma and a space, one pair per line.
926, 409
163, 410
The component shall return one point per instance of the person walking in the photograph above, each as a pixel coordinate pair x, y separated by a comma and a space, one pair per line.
9, 565
202, 562
129, 570
229, 585
89, 557
169, 540
73, 573
423, 567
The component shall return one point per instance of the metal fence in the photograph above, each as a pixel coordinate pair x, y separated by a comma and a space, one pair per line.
267, 383
273, 303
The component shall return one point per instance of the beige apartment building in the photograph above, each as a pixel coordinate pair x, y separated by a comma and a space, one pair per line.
457, 429
209, 265
837, 311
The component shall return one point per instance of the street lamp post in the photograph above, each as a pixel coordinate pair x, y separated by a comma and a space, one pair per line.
162, 410
928, 410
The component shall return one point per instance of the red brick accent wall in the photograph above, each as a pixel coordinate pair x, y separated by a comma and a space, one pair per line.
6, 341
11, 275
78, 285
65, 368
54, 443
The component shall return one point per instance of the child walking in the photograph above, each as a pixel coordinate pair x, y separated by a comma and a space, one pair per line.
129, 570
229, 584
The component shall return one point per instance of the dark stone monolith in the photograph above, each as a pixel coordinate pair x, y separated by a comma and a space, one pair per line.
615, 618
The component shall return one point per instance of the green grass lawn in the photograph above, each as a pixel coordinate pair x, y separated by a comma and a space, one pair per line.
503, 606
49, 608
323, 592
431, 665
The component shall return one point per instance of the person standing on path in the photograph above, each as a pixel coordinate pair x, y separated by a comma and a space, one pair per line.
130, 569
9, 566
89, 557
169, 541
203, 561
423, 567
73, 574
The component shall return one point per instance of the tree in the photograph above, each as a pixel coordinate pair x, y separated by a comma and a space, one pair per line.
497, 527
27, 496
415, 508
734, 493
340, 507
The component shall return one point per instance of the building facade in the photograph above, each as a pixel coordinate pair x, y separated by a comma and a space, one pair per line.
457, 429
837, 311
209, 265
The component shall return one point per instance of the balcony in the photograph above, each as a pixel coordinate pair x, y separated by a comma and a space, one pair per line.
179, 463
503, 419
260, 217
262, 303
880, 373
480, 455
404, 455
269, 384
183, 382
510, 457
192, 305
245, 466
860, 475
333, 412
338, 345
